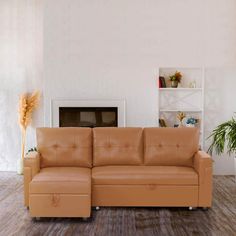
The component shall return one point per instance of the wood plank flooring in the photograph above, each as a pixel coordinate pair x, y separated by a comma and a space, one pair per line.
219, 220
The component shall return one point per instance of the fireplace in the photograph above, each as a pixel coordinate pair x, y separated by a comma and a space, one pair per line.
87, 113
88, 117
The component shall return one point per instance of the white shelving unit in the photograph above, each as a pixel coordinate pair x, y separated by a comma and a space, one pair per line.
180, 89
183, 99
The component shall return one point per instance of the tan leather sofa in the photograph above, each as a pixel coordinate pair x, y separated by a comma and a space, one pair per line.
76, 168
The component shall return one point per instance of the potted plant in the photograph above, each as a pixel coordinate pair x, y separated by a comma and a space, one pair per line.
175, 79
224, 137
27, 104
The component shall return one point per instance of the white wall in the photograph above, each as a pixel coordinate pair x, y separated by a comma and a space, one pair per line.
20, 71
220, 106
112, 50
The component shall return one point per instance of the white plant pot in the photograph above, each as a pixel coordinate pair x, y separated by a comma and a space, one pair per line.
19, 166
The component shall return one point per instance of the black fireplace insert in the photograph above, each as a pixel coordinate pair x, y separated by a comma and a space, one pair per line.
88, 117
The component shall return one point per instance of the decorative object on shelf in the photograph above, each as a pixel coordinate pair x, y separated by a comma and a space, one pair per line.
162, 123
162, 82
27, 104
193, 84
191, 122
175, 79
180, 116
224, 137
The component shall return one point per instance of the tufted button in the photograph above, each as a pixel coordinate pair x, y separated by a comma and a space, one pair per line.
126, 145
55, 146
152, 186
108, 145
160, 145
177, 145
74, 146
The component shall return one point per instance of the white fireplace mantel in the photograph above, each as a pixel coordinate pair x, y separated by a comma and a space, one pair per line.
57, 103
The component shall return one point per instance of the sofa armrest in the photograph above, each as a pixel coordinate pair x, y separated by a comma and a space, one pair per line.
31, 168
203, 166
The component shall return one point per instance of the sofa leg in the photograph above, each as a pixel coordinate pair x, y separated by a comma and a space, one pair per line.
85, 218
97, 208
205, 208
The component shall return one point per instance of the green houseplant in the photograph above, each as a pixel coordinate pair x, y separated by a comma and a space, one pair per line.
175, 79
224, 138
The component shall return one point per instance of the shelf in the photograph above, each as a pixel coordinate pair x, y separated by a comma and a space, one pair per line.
183, 98
181, 89
182, 110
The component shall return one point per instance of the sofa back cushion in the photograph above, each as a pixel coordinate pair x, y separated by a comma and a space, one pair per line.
65, 147
170, 146
117, 146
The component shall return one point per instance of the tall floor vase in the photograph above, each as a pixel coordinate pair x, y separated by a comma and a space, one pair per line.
20, 161
19, 166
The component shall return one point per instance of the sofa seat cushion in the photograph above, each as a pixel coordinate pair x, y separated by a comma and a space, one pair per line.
70, 180
138, 175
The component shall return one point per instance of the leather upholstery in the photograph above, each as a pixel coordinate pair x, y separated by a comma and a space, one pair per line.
170, 146
117, 146
65, 147
145, 195
203, 166
168, 171
62, 180
60, 205
139, 175
61, 192
31, 168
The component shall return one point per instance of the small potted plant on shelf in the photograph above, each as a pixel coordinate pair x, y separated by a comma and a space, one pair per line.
175, 79
224, 137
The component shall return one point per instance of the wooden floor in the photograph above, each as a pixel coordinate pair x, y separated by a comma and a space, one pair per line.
219, 220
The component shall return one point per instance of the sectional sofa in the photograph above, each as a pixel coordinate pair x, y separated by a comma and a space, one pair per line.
78, 168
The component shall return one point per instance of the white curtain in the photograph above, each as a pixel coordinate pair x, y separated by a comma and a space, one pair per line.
20, 70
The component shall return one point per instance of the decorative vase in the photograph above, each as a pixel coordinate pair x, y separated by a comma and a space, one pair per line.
19, 166
174, 84
190, 125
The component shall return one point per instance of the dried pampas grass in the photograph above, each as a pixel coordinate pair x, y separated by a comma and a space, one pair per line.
27, 104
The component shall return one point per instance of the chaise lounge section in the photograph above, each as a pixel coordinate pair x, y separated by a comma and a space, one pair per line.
58, 177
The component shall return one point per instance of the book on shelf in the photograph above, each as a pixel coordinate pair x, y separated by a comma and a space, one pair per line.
159, 83
162, 82
162, 123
